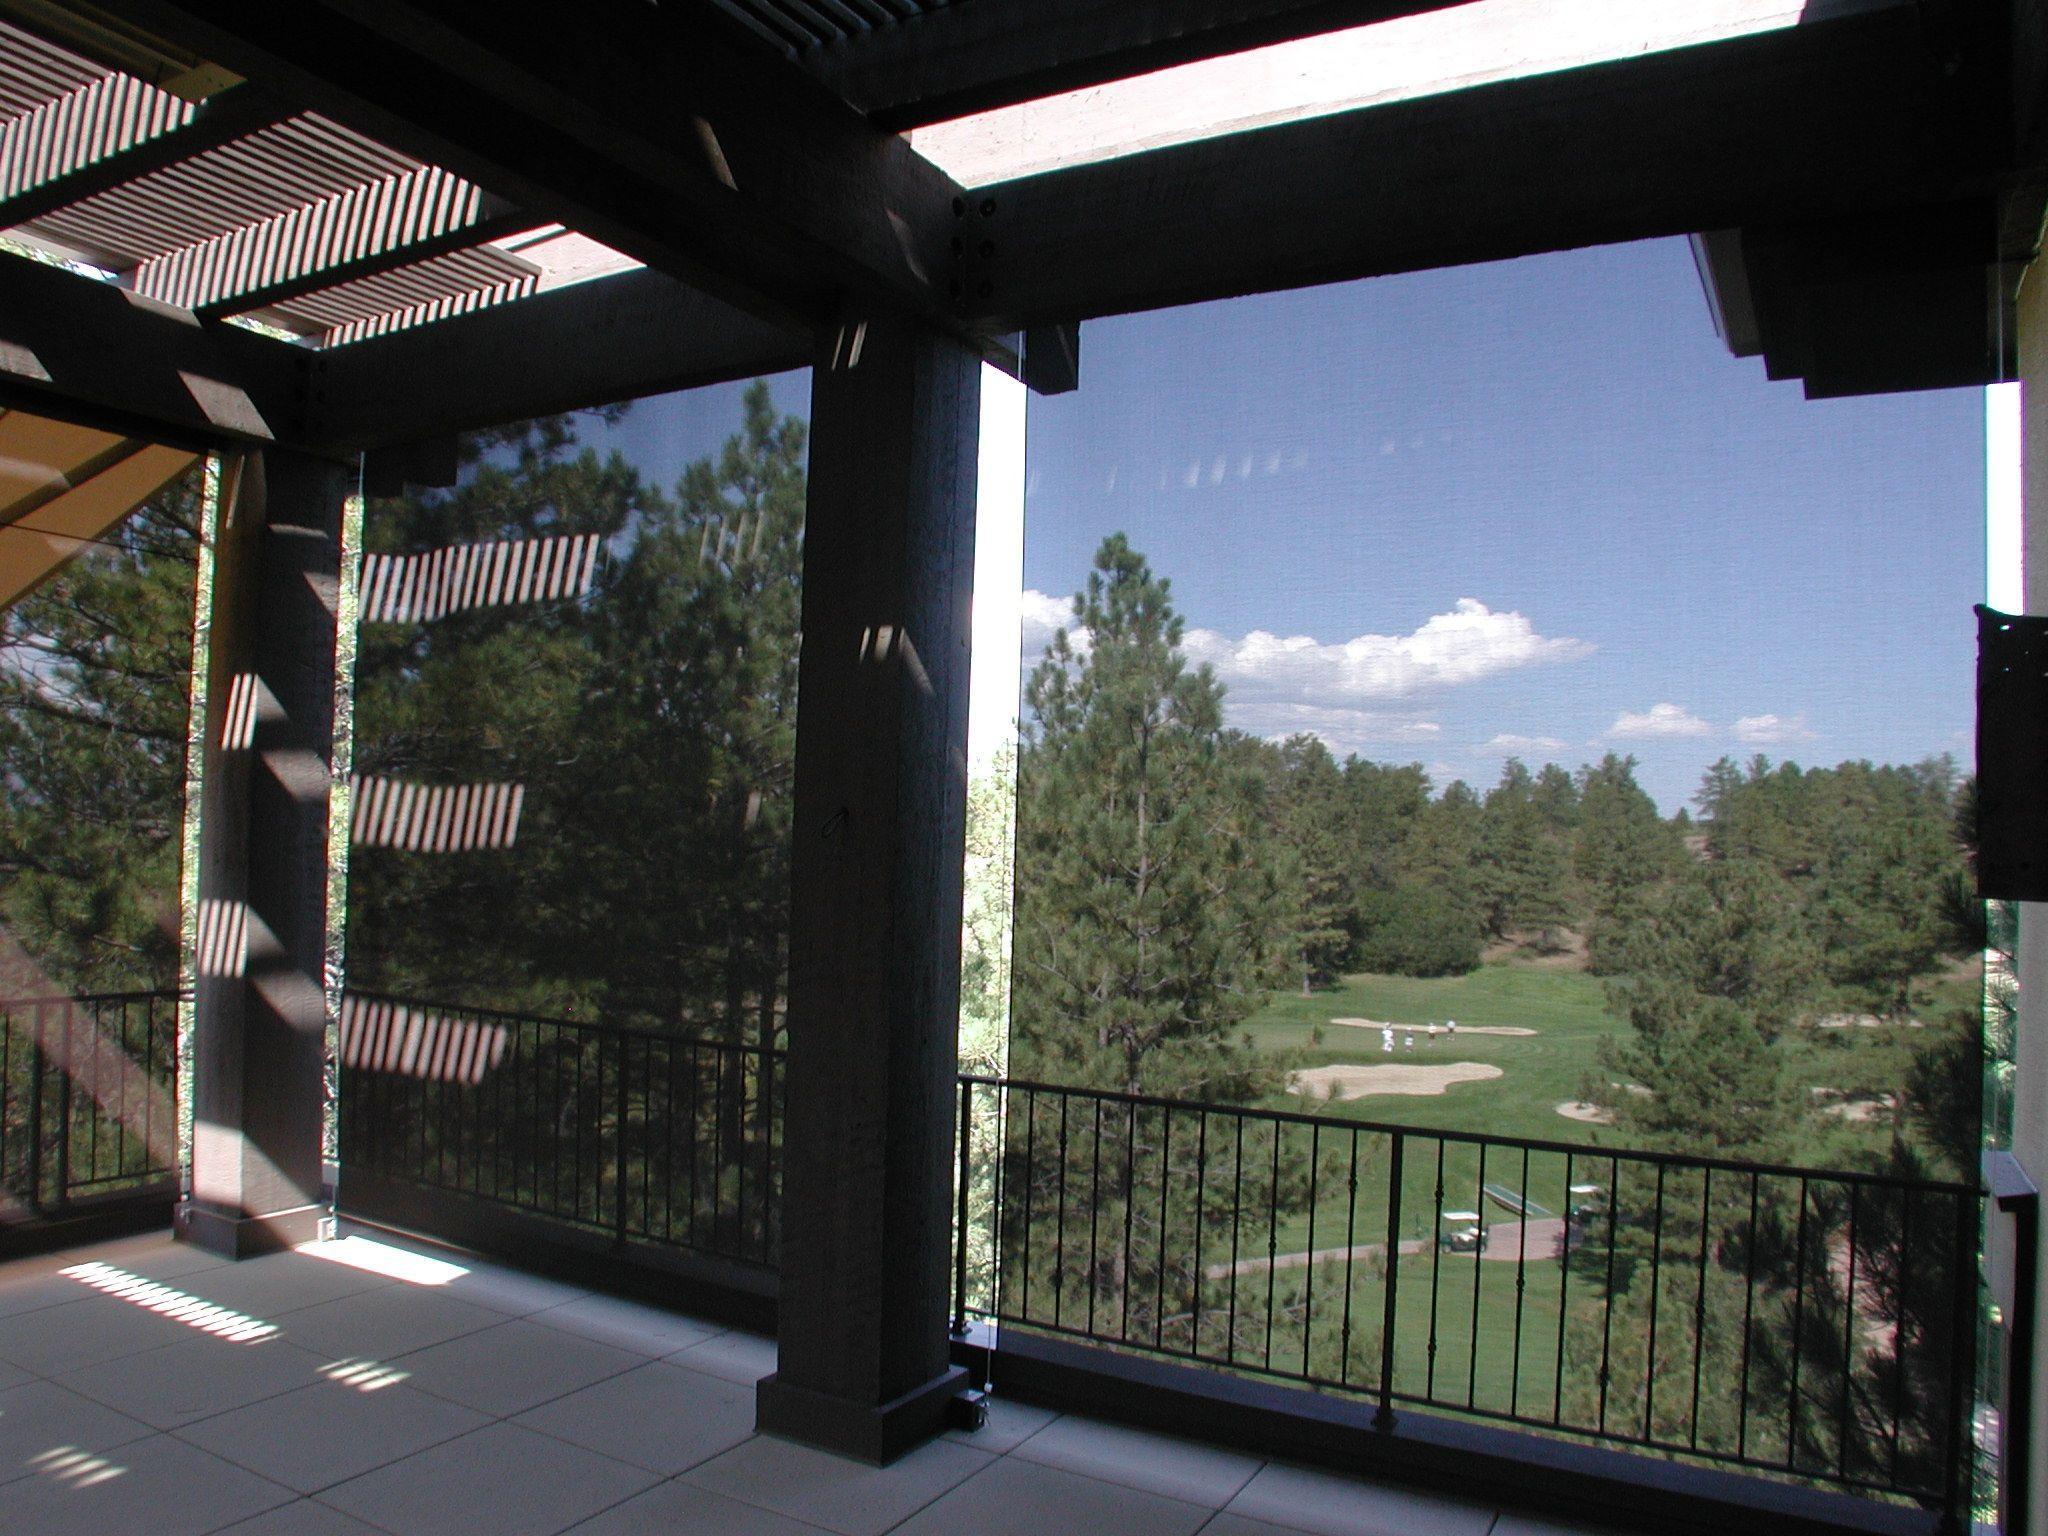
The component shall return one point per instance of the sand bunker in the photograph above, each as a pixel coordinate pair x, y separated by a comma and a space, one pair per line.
1591, 1114
1855, 1106
1423, 1029
1859, 1021
1347, 1082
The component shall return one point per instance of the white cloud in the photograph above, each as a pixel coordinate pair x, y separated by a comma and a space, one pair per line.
1511, 744
1282, 685
1771, 730
1466, 645
1040, 617
1658, 720
1342, 730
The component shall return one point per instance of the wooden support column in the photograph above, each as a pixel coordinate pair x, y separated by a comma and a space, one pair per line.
258, 1089
880, 813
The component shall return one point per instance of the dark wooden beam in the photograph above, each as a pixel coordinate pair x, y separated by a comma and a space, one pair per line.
874, 937
614, 338
994, 53
233, 114
88, 350
1838, 116
667, 133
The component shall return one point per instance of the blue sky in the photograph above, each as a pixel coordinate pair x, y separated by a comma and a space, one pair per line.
1657, 549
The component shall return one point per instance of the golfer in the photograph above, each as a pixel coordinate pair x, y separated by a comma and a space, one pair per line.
1452, 1026
1387, 1038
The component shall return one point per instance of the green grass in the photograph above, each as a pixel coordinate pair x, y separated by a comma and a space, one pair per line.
1566, 1009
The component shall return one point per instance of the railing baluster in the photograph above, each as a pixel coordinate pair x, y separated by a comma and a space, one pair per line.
1094, 1213
1165, 1182
1272, 1240
1236, 1231
1059, 1230
1383, 1417
1201, 1221
1521, 1289
1699, 1307
961, 1178
1798, 1334
1748, 1312
1961, 1365
1842, 1425
1656, 1290
1436, 1264
1130, 1208
1564, 1292
1308, 1268
1478, 1271
1350, 1252
1607, 1296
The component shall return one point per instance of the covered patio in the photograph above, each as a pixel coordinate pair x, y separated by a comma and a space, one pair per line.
377, 1383
755, 1278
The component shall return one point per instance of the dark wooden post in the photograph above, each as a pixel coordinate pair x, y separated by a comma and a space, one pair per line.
258, 1088
880, 813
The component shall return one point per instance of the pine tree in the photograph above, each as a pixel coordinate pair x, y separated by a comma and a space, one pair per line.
94, 695
1623, 846
1308, 795
1152, 915
1709, 971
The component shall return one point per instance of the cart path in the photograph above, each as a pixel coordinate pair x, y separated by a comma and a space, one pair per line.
1504, 1245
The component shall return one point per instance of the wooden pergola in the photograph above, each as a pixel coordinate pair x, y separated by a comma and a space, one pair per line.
324, 237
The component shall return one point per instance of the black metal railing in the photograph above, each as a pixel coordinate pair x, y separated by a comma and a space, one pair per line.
645, 1136
88, 1096
1794, 1321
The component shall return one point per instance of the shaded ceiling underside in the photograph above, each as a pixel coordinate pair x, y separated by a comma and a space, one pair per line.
348, 224
63, 488
232, 205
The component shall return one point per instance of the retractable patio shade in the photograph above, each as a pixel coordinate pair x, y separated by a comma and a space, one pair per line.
62, 487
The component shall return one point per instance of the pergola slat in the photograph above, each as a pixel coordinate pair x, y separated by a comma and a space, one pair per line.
381, 219
232, 115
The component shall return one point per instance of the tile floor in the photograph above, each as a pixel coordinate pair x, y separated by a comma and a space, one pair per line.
375, 1386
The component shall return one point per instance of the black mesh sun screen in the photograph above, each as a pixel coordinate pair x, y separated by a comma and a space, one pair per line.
2012, 756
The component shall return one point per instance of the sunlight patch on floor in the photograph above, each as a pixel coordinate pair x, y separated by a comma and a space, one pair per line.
179, 1306
377, 1258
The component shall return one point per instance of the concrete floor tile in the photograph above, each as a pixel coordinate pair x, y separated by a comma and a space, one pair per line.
741, 1357
304, 1517
1198, 1474
841, 1495
195, 1379
678, 1509
1022, 1498
278, 1284
160, 1486
497, 1481
385, 1323
40, 1416
659, 1416
628, 1325
53, 1340
515, 1366
1328, 1505
329, 1432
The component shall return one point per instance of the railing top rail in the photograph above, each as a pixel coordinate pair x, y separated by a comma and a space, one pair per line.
600, 1026
1480, 1138
79, 999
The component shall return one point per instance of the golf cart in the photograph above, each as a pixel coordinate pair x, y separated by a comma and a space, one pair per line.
1461, 1232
